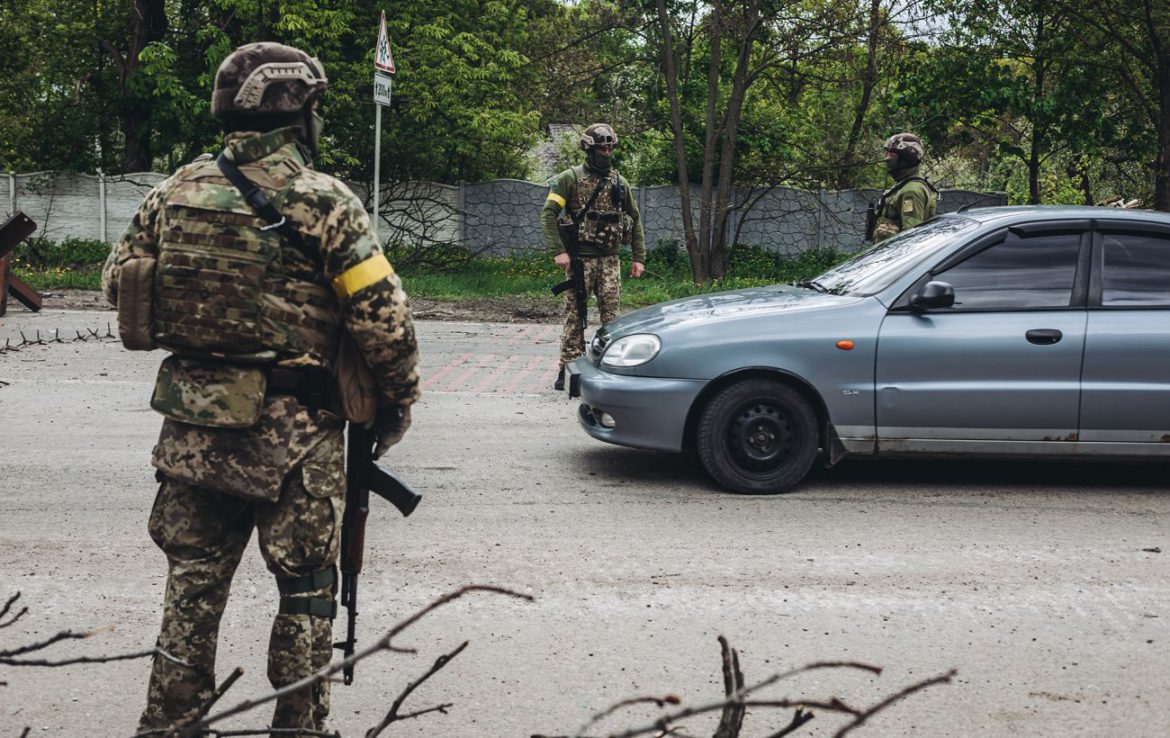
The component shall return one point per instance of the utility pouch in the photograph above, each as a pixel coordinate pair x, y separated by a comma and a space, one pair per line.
211, 394
136, 304
357, 392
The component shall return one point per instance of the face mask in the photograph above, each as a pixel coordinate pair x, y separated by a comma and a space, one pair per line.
599, 160
317, 124
893, 165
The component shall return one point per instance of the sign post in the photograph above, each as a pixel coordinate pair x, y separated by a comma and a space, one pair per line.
383, 62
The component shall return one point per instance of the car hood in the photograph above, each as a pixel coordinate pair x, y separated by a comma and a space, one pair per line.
755, 302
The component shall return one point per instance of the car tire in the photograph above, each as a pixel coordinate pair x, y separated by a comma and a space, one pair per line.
758, 436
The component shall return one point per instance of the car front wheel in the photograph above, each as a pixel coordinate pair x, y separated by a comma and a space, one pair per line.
758, 436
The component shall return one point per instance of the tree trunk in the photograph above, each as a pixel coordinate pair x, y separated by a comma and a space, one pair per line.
717, 261
670, 70
701, 272
847, 173
148, 23
1162, 163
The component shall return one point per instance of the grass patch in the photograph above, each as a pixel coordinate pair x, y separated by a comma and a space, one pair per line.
76, 264
668, 275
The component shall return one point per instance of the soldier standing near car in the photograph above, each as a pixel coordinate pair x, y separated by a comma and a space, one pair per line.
912, 200
250, 294
601, 204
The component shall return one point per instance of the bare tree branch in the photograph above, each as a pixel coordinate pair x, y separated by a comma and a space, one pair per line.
383, 644
392, 716
901, 694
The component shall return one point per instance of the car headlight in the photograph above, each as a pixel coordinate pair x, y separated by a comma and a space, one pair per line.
632, 350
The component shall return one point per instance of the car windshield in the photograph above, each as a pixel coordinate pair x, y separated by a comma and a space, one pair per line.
874, 269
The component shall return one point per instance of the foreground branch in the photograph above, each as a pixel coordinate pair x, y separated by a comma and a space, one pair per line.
201, 728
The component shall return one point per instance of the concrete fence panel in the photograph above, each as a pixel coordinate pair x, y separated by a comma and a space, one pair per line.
494, 217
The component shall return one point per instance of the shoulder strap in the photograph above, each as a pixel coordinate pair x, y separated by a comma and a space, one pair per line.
259, 202
893, 190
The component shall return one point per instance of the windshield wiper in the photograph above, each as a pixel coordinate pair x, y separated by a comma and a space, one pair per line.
812, 284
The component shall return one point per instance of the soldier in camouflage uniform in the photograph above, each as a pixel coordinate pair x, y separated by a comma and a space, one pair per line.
912, 200
252, 316
605, 223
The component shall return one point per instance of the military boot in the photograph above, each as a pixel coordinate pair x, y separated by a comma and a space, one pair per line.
559, 385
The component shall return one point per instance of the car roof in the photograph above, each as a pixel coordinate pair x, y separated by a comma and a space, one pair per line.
1011, 214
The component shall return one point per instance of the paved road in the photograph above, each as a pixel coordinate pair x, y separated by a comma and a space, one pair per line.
1040, 584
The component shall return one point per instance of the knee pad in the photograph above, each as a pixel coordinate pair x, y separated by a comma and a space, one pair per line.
293, 603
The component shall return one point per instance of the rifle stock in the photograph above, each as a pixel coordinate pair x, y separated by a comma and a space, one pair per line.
362, 476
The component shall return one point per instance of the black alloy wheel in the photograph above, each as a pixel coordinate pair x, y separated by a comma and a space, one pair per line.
758, 436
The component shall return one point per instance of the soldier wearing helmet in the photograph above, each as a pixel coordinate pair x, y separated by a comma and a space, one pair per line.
249, 293
912, 199
598, 207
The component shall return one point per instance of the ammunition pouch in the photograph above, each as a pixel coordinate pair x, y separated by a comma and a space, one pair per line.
604, 217
136, 304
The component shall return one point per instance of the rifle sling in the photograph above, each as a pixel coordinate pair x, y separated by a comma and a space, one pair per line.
259, 202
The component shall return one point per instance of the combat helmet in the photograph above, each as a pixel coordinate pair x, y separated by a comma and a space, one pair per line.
907, 146
265, 79
598, 134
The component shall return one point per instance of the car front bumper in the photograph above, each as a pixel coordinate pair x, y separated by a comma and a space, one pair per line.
646, 412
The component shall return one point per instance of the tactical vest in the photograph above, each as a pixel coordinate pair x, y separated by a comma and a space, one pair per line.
887, 207
602, 224
223, 285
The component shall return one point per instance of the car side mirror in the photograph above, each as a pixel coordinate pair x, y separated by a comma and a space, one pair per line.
933, 295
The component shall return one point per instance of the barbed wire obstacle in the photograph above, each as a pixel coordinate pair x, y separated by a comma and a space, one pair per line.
38, 340
738, 698
198, 724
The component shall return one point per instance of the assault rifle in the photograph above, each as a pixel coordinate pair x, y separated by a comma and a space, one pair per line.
363, 476
576, 280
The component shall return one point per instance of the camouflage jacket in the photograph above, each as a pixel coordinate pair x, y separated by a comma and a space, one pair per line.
571, 193
905, 205
370, 301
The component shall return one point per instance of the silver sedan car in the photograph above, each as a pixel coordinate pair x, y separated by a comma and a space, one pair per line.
1027, 332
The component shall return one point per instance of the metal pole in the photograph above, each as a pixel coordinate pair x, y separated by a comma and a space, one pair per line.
102, 205
377, 166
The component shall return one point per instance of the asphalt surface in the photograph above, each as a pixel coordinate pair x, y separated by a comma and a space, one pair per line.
1045, 586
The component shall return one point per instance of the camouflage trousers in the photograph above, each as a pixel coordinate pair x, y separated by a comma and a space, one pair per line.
603, 279
204, 533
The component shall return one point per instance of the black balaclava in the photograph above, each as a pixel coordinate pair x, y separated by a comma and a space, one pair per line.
598, 160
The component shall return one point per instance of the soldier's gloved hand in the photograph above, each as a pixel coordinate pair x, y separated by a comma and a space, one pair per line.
389, 427
884, 229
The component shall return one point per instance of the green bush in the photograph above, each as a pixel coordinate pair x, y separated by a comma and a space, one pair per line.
41, 253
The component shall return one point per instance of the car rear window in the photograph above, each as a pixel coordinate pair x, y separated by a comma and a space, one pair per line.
1136, 270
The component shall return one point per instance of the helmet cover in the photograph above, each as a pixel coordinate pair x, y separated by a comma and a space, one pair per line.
598, 134
266, 78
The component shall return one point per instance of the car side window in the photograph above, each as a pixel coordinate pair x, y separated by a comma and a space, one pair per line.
1136, 271
1021, 272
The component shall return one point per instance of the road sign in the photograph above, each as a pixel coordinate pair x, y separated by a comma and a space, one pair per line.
382, 89
383, 59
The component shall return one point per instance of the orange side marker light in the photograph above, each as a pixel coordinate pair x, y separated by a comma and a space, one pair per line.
845, 345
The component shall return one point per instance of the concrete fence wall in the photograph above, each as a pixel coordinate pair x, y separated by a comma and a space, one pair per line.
495, 217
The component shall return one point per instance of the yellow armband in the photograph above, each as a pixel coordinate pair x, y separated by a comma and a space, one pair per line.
357, 278
556, 198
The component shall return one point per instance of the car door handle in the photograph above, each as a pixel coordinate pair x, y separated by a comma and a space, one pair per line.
1043, 336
